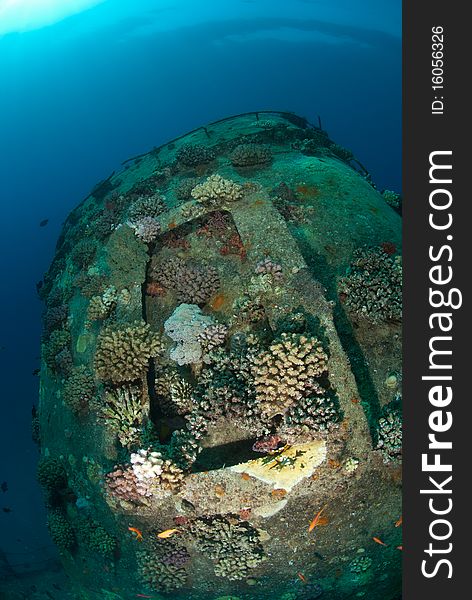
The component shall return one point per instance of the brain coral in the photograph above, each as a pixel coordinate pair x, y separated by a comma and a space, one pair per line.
123, 352
288, 369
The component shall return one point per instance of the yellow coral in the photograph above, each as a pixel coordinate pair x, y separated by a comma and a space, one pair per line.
287, 370
216, 190
123, 352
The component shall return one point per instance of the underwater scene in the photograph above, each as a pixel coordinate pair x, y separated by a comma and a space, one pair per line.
202, 348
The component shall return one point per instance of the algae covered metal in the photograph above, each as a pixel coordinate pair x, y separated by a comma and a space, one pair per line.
220, 404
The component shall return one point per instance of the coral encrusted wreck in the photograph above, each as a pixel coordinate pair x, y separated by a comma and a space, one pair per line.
220, 362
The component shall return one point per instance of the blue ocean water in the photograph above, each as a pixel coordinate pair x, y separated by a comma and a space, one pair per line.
81, 94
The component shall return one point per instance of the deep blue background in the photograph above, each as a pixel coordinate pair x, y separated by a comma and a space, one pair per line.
80, 96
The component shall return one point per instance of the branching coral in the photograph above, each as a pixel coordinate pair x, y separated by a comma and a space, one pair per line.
372, 289
79, 390
90, 284
317, 412
58, 341
192, 155
55, 317
226, 388
146, 229
61, 530
51, 474
210, 338
161, 564
183, 190
234, 545
390, 433
288, 370
160, 473
249, 155
123, 352
96, 538
123, 487
192, 283
174, 392
146, 206
215, 191
101, 307
126, 409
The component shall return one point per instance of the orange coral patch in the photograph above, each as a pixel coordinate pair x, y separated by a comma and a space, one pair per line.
218, 302
279, 493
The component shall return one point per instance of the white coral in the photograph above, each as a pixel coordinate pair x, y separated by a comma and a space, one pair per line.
184, 327
146, 464
216, 190
146, 229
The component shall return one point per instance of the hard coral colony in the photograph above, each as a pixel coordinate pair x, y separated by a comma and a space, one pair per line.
197, 393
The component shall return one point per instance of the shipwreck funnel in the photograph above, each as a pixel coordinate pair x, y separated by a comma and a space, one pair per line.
220, 384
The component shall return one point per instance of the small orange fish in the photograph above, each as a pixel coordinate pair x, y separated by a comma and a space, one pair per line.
302, 577
167, 533
316, 520
399, 547
377, 541
399, 522
139, 535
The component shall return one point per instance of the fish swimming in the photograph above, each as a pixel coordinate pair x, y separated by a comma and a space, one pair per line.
44, 222
316, 520
377, 541
4, 486
167, 533
139, 535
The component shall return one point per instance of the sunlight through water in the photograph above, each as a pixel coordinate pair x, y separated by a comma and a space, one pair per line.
25, 15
